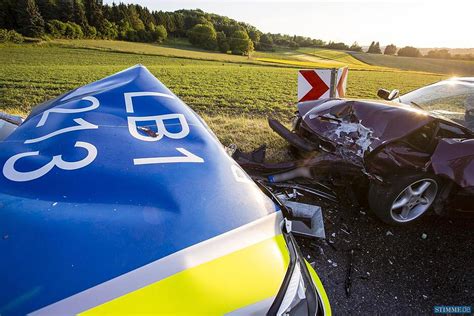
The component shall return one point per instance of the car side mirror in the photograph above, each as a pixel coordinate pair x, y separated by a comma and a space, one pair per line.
388, 95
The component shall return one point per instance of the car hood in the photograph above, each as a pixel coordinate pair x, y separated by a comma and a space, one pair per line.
371, 123
107, 178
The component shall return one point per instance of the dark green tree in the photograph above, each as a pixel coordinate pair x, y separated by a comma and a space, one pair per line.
170, 25
377, 48
179, 24
80, 15
114, 14
134, 19
160, 18
145, 15
110, 30
265, 43
8, 15
254, 35
222, 42
48, 9
240, 43
371, 47
203, 35
30, 21
124, 29
374, 48
159, 34
65, 10
95, 16
409, 51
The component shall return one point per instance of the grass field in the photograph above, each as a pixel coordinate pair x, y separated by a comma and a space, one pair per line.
313, 58
234, 96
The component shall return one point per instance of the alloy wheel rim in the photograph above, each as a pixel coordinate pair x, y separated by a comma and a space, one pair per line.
414, 200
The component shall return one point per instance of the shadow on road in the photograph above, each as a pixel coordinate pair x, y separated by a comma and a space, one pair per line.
402, 270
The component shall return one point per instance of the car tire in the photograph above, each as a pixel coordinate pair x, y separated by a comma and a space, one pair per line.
405, 199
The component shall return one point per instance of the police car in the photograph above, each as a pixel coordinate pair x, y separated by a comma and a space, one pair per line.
116, 198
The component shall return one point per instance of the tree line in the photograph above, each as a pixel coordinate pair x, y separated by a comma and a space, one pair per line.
131, 22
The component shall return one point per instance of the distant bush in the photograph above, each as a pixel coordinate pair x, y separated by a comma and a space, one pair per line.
464, 56
90, 31
10, 36
15, 37
409, 51
109, 30
3, 36
73, 31
439, 53
355, 47
45, 37
390, 50
340, 46
58, 29
293, 45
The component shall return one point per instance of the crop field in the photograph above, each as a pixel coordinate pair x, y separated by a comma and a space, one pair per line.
151, 49
234, 96
315, 58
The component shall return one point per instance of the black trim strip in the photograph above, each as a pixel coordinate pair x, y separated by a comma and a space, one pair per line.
289, 272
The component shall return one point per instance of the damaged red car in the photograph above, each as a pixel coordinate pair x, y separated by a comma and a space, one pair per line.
401, 156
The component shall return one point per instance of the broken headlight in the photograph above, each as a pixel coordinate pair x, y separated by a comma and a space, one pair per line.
298, 294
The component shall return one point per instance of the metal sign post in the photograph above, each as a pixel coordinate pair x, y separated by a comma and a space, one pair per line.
315, 84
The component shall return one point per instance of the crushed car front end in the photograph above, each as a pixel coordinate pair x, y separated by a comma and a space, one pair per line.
380, 150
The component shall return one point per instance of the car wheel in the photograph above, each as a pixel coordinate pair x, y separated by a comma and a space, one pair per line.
405, 199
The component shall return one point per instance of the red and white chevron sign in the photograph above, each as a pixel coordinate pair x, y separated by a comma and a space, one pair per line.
317, 84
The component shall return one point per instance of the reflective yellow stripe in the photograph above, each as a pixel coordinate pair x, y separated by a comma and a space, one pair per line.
217, 287
320, 288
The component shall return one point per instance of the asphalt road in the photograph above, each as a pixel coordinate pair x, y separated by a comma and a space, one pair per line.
395, 270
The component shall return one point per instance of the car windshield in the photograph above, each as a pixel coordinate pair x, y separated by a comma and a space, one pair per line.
451, 98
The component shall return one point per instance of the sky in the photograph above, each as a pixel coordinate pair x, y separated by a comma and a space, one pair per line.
419, 23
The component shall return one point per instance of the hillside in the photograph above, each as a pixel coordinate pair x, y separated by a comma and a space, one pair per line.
281, 57
442, 66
